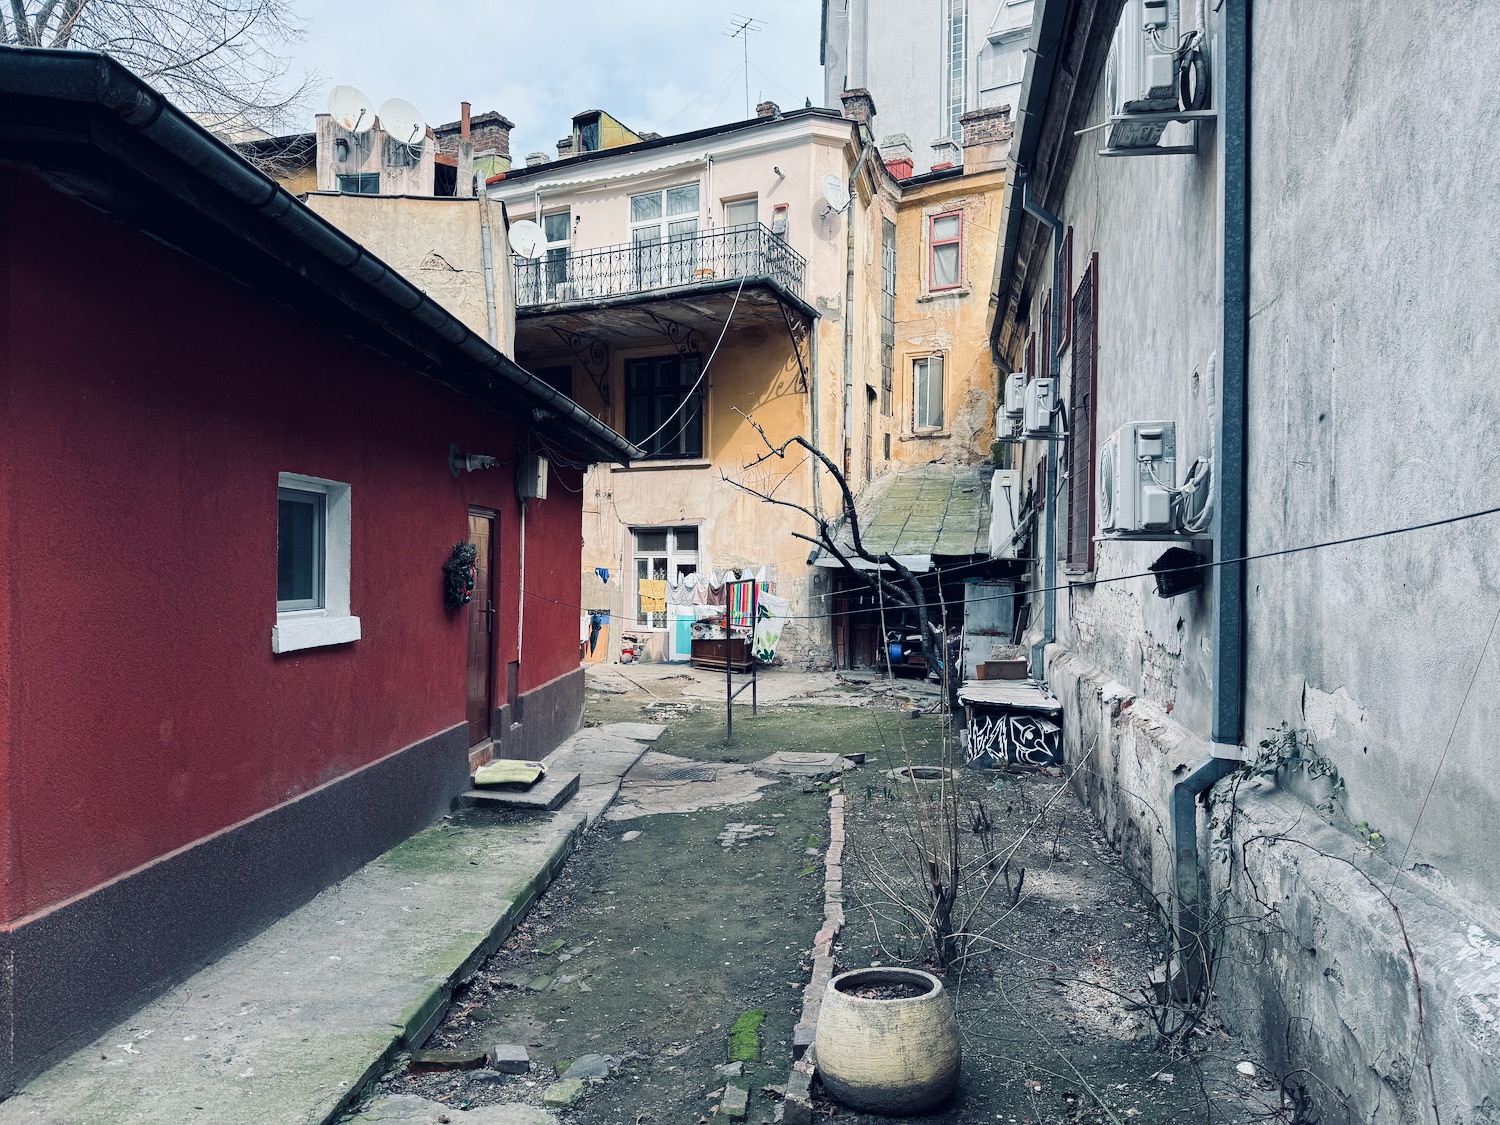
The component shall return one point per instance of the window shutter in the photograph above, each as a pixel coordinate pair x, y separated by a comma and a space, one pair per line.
1082, 399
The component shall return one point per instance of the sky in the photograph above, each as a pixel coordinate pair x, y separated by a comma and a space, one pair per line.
657, 65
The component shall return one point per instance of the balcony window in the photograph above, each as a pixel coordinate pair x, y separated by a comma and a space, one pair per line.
662, 226
664, 406
557, 229
662, 554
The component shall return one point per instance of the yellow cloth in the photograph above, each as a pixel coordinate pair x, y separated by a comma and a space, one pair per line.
653, 595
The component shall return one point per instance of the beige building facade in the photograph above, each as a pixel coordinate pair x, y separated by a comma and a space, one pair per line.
704, 295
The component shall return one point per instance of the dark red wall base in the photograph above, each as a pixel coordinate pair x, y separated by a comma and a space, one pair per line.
76, 969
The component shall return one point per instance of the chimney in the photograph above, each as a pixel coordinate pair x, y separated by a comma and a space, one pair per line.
535, 158
945, 154
895, 153
987, 137
859, 106
565, 148
463, 184
767, 109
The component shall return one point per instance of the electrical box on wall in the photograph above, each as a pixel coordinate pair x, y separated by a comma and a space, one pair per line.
1040, 398
1015, 394
531, 477
1137, 479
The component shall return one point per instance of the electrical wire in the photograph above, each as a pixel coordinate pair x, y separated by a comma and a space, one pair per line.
1206, 564
687, 398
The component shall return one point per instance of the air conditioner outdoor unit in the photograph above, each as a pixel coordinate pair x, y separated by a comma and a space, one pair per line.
1015, 394
1137, 474
1040, 398
1153, 73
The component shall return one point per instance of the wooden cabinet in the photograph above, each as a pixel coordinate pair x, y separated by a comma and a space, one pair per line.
714, 654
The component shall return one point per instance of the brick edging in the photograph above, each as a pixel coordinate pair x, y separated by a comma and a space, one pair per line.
797, 1105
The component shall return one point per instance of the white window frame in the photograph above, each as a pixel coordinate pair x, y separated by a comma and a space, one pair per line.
332, 623
666, 264
917, 426
740, 201
678, 562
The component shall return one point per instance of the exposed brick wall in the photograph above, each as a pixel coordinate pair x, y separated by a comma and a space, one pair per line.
490, 133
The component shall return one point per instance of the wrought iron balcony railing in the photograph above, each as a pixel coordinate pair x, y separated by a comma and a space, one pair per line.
644, 267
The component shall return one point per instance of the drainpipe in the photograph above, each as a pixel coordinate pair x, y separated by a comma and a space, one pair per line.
864, 154
1054, 367
487, 246
813, 390
1229, 479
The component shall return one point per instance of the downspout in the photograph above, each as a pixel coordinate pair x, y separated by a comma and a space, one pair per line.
1195, 954
813, 390
864, 154
1054, 368
487, 245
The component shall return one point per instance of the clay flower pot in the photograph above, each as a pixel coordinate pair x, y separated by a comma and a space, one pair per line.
895, 1056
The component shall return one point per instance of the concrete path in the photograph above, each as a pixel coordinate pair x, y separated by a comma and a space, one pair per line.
292, 1025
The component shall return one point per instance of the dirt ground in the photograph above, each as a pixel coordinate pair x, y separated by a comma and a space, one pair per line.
667, 926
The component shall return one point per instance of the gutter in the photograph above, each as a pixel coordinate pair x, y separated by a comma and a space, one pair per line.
89, 78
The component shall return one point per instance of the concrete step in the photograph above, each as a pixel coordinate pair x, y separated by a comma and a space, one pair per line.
547, 795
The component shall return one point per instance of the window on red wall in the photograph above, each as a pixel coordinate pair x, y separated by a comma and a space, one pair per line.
1082, 398
945, 237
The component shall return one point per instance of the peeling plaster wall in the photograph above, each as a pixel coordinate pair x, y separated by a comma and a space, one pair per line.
1375, 295
1313, 967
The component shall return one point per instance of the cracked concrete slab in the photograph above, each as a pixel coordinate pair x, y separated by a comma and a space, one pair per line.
663, 783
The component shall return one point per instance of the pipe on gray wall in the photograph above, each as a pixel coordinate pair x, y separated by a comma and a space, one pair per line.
1194, 944
1054, 367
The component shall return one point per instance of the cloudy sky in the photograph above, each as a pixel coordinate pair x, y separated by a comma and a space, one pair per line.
661, 65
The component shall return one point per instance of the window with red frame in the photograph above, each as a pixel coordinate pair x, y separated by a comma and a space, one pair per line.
945, 237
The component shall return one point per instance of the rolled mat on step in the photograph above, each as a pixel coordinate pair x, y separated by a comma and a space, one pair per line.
509, 771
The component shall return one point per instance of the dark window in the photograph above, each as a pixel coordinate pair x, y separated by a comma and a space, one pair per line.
360, 183
1065, 329
299, 549
664, 406
887, 447
588, 134
1081, 422
1045, 348
558, 378
887, 315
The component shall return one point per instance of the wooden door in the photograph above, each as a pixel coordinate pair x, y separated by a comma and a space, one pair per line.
481, 676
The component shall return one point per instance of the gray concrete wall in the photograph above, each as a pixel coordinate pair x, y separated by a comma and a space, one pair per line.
1372, 406
896, 50
1376, 295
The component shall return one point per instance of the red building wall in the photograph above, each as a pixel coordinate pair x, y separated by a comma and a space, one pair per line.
149, 405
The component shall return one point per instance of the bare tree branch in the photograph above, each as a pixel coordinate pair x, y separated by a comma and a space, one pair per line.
220, 57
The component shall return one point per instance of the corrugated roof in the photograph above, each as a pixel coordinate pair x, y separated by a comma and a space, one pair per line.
930, 510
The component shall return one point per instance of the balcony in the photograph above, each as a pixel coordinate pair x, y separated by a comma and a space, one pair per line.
680, 293
696, 261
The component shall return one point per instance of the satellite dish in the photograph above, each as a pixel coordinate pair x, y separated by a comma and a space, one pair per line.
351, 109
526, 239
402, 122
835, 193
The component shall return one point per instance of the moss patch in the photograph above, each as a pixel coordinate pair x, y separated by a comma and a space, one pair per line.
744, 1036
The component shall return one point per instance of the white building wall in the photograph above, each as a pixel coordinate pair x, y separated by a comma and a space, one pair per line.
897, 49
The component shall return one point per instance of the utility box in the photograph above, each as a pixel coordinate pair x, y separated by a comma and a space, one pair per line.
531, 477
1041, 397
1137, 479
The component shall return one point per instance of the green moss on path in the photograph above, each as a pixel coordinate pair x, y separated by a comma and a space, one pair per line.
744, 1037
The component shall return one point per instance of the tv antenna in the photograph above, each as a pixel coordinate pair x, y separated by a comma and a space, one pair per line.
835, 193
527, 239
402, 123
740, 27
351, 109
